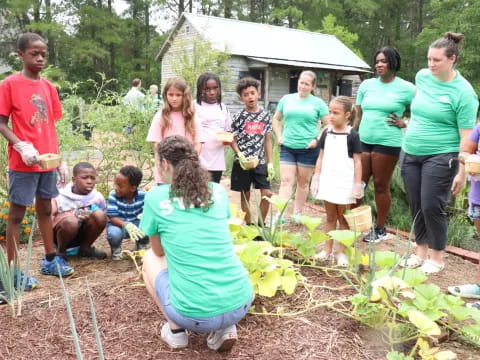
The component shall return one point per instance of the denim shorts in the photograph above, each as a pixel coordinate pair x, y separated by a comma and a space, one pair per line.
25, 186
201, 325
474, 211
301, 157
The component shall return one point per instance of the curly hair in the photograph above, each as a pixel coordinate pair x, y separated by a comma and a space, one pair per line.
26, 38
189, 180
187, 106
202, 83
247, 82
133, 174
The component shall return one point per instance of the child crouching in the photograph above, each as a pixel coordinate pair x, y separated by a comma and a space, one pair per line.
79, 215
125, 205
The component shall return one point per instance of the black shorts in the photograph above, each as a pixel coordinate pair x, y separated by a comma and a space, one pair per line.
215, 175
242, 180
381, 149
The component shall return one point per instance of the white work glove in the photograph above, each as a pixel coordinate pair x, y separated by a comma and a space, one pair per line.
314, 185
133, 231
270, 172
27, 151
62, 171
241, 159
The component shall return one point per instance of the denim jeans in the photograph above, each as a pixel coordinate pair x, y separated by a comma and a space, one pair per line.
116, 234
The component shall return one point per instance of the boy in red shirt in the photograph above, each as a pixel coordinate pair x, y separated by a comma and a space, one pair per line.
32, 105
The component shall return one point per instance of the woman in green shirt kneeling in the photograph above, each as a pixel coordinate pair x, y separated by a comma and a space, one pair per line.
191, 270
444, 111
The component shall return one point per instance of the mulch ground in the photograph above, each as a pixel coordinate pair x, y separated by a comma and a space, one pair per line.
130, 323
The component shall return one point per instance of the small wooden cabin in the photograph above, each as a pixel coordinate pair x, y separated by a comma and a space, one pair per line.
272, 54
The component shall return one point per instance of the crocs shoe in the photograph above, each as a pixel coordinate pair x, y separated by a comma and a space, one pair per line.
431, 267
342, 260
92, 253
18, 278
475, 305
223, 339
471, 291
58, 266
414, 261
324, 256
175, 341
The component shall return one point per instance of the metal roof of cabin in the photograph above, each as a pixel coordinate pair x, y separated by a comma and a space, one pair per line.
272, 44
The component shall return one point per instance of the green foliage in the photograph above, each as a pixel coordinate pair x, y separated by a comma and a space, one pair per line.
26, 226
329, 26
196, 57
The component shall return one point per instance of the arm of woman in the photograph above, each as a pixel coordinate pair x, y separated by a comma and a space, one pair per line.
316, 175
358, 117
156, 245
277, 126
321, 123
459, 180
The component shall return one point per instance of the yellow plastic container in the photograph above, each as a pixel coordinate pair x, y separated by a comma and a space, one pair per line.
49, 160
251, 162
472, 165
225, 137
360, 219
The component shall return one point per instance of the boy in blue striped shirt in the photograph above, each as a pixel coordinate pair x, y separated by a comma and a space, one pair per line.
125, 204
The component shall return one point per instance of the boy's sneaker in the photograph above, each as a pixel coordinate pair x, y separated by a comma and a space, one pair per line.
18, 278
471, 291
142, 244
3, 295
376, 235
175, 341
58, 266
117, 253
223, 339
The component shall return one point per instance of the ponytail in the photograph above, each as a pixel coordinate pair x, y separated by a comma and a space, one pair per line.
451, 42
348, 106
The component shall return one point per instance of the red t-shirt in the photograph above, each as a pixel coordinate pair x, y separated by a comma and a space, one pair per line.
33, 107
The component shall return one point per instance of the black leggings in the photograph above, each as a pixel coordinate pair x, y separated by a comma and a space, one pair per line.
428, 180
216, 175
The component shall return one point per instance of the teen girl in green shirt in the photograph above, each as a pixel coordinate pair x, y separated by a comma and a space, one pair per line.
192, 271
444, 111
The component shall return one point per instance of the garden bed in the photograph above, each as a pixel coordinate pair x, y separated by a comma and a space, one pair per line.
129, 321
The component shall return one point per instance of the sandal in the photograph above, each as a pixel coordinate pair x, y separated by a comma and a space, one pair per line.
414, 261
342, 260
324, 256
431, 267
475, 305
471, 291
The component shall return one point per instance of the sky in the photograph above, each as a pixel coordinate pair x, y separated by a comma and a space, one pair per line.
161, 20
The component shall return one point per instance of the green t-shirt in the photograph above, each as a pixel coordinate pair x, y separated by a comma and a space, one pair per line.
301, 119
377, 100
206, 277
439, 110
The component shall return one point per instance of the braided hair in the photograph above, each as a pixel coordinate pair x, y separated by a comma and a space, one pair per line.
189, 179
202, 83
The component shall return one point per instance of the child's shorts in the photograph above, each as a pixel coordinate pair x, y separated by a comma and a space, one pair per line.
26, 186
242, 180
202, 325
474, 211
301, 157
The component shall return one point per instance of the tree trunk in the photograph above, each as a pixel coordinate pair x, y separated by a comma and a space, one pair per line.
111, 51
51, 41
147, 37
181, 7
227, 8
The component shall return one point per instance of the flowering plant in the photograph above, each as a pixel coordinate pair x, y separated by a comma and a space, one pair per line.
25, 226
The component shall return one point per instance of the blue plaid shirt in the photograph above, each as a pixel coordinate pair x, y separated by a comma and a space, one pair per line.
119, 207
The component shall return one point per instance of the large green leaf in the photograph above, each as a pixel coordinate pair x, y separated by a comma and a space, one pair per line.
412, 277
318, 237
472, 333
267, 284
385, 258
423, 323
279, 202
346, 237
289, 281
310, 222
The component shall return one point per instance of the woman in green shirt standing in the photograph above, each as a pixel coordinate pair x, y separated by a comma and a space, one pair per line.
302, 113
444, 112
191, 270
381, 102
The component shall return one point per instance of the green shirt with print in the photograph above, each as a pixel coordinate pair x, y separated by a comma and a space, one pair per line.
378, 100
300, 119
206, 277
439, 109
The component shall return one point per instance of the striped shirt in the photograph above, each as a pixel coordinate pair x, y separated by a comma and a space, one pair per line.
127, 211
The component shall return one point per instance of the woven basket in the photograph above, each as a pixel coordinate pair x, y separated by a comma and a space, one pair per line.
360, 219
250, 162
225, 137
472, 165
49, 160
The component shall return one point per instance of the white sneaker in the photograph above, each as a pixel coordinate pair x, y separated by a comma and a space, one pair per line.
223, 339
117, 253
324, 256
175, 341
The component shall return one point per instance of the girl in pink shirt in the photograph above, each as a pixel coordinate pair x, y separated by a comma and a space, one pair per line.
175, 118
213, 117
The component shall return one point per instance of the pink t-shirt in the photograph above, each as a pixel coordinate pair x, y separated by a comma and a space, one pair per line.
177, 128
212, 119
33, 107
